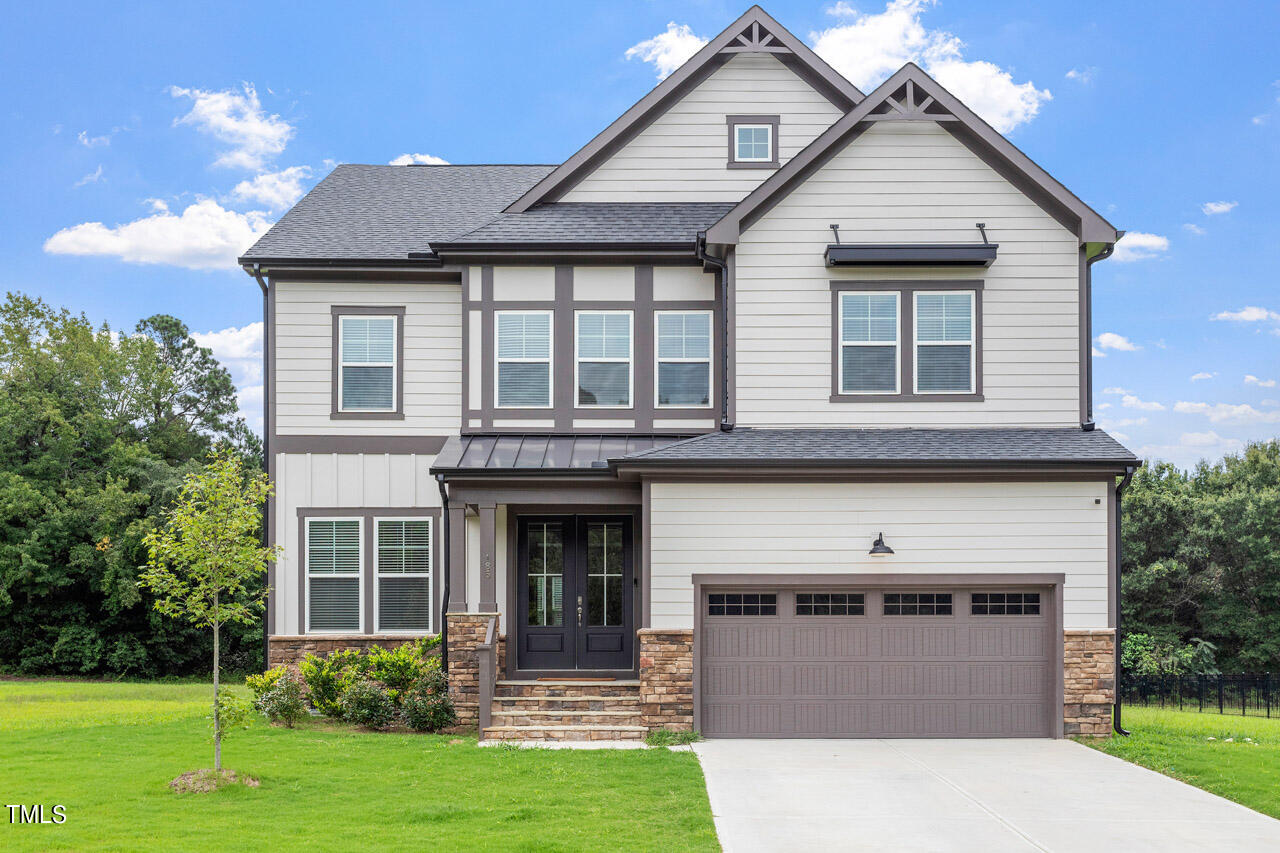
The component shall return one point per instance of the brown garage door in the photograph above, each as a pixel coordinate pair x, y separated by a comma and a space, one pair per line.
911, 662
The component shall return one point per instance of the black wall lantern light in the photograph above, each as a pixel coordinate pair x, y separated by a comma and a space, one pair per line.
878, 548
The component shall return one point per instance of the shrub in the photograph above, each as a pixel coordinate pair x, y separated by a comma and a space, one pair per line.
366, 703
427, 706
262, 682
282, 702
397, 668
328, 677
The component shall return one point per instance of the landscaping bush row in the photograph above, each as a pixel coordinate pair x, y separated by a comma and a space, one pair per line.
374, 688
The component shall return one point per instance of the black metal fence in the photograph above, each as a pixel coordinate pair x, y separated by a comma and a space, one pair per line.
1247, 695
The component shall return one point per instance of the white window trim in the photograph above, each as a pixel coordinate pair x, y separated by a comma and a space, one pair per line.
395, 359
897, 342
549, 360
429, 574
971, 343
359, 574
630, 359
658, 360
767, 159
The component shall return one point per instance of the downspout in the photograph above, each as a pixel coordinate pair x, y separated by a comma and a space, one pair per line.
700, 249
444, 589
1115, 709
1088, 425
266, 455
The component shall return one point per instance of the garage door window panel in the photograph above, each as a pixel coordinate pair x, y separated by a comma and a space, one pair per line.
742, 604
830, 604
1005, 604
917, 604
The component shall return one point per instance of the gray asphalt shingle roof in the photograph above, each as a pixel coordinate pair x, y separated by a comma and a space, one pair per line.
868, 446
601, 222
385, 212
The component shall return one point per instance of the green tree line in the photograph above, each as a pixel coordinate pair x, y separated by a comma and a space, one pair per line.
1202, 557
97, 431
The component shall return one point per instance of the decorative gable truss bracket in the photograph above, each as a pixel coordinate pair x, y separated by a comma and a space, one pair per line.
755, 39
910, 104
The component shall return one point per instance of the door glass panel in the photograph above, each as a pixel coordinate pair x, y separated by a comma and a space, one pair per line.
546, 575
604, 574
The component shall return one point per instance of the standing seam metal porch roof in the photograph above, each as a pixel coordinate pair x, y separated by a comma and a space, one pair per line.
542, 453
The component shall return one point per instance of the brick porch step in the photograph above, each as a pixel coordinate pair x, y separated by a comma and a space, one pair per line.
567, 688
566, 718
545, 732
565, 703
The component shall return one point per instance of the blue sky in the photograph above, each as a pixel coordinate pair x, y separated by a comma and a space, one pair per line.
183, 129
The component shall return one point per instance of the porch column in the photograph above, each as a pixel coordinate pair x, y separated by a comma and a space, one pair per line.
488, 558
457, 522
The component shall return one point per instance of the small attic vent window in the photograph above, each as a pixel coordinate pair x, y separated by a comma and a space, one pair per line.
753, 142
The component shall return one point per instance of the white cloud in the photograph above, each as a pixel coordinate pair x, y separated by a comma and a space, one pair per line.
1212, 208
1097, 353
869, 48
204, 236
418, 160
668, 50
92, 141
234, 342
1248, 314
1196, 377
1115, 389
1102, 407
1129, 401
236, 118
1123, 422
1250, 379
1192, 228
1227, 413
276, 190
91, 178
1110, 340
1137, 246
1083, 76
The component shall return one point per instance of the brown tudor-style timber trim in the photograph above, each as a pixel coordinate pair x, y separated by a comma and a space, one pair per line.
1053, 582
797, 56
560, 416
338, 311
906, 340
733, 121
368, 579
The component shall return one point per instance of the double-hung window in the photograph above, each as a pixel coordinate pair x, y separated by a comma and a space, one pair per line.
402, 570
523, 374
944, 340
603, 365
334, 560
367, 363
869, 348
684, 358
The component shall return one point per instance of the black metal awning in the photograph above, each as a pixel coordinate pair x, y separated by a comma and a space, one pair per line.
910, 254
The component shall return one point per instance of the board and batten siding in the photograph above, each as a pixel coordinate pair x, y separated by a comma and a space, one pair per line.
303, 356
821, 528
906, 182
346, 480
682, 155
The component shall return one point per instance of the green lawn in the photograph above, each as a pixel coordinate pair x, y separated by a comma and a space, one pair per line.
107, 751
1177, 743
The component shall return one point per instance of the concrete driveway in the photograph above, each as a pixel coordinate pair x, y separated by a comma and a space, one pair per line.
979, 795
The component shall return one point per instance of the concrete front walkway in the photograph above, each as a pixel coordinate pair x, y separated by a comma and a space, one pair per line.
978, 795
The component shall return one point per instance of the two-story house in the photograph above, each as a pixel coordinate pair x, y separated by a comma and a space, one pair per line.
766, 413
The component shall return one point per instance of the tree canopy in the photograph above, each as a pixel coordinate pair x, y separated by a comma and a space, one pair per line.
97, 431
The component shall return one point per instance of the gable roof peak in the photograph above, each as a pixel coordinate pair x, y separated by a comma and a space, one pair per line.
755, 31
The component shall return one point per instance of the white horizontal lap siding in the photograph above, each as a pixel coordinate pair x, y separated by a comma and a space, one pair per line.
827, 528
906, 182
347, 480
681, 156
303, 357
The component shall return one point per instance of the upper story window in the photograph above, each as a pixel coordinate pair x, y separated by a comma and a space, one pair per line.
367, 380
603, 363
753, 141
868, 361
523, 374
684, 358
944, 343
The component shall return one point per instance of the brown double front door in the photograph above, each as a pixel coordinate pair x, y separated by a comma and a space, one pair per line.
576, 588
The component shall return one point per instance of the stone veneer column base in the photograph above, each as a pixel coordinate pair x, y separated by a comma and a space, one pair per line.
1089, 681
291, 649
466, 631
666, 679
